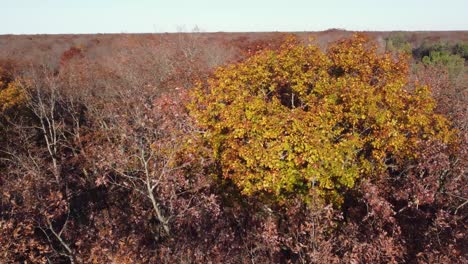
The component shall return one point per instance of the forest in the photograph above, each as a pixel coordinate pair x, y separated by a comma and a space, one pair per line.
313, 147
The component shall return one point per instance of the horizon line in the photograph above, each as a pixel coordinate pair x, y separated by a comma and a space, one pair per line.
235, 32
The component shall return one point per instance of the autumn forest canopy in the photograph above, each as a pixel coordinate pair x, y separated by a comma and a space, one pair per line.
329, 147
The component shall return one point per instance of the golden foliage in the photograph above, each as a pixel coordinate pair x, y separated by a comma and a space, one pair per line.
11, 96
299, 121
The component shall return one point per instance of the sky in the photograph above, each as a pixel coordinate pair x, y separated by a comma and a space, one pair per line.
146, 16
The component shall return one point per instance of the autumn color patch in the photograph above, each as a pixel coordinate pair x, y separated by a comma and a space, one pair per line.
297, 120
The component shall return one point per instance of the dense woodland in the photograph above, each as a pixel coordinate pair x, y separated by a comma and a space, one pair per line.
325, 147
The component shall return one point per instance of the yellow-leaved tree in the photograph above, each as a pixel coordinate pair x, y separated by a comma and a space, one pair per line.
299, 121
11, 94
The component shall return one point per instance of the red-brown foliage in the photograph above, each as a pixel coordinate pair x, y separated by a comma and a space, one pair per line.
104, 122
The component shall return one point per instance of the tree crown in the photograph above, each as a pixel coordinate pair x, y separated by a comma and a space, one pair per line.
299, 121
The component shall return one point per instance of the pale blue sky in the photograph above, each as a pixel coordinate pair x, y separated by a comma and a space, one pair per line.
134, 16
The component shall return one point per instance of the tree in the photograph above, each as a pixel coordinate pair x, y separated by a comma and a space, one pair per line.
461, 49
11, 99
298, 121
10, 96
397, 42
453, 62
